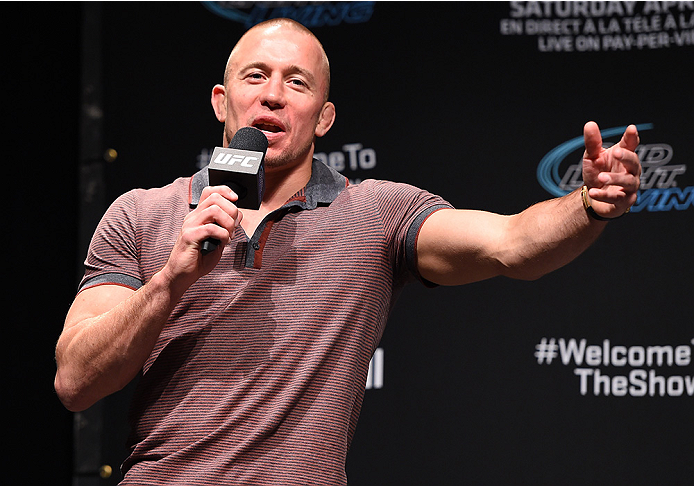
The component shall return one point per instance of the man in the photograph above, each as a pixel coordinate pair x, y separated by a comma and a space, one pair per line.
254, 357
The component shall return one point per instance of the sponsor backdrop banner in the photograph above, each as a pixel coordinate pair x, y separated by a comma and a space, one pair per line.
582, 377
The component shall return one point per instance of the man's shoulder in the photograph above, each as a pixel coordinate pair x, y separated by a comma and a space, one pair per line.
178, 189
386, 188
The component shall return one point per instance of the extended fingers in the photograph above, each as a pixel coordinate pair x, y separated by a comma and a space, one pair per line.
612, 175
624, 160
629, 142
630, 139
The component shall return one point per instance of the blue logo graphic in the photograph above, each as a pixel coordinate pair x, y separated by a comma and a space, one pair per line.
659, 191
310, 14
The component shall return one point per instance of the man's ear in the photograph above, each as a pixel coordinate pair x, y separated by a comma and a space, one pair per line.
325, 119
219, 97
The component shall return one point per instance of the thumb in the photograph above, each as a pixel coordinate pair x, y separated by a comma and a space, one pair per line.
592, 140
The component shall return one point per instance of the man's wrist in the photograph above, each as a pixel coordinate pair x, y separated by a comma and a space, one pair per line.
587, 205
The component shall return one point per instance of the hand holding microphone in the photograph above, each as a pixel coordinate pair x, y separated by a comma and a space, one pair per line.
240, 167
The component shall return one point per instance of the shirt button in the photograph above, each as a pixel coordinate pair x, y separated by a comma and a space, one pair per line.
256, 245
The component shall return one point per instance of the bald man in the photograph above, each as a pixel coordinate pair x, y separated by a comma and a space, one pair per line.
253, 358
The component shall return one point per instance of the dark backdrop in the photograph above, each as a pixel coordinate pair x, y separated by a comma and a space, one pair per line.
465, 100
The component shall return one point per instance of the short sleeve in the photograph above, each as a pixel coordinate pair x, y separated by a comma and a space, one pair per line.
112, 257
404, 209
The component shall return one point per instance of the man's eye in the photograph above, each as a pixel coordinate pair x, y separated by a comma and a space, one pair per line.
297, 82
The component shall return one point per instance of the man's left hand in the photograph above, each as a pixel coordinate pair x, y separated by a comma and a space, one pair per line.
612, 175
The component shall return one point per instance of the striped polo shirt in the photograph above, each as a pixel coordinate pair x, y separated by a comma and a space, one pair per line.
259, 374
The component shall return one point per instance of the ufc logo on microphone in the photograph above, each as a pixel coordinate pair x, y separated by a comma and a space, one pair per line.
232, 159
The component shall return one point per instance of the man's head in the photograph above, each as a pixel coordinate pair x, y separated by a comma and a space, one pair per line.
292, 25
277, 79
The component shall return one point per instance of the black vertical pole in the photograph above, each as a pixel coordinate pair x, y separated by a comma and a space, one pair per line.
88, 425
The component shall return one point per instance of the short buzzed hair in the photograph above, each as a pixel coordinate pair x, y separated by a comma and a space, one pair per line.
293, 24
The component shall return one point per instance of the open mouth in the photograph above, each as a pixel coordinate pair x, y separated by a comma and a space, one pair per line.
268, 127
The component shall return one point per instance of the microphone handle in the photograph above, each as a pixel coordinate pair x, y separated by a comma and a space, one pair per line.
209, 245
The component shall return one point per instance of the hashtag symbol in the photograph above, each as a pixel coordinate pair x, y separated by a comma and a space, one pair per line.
546, 351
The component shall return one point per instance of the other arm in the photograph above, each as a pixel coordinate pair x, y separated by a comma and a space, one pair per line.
460, 246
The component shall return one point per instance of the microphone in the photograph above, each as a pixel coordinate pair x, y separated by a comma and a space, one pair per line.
241, 168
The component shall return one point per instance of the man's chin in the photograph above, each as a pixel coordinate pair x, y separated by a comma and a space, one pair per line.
277, 159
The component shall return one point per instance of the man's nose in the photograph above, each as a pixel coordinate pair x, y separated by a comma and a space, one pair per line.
273, 93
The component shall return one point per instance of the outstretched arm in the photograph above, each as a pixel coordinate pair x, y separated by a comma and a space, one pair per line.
461, 246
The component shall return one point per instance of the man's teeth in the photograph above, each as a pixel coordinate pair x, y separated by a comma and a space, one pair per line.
268, 128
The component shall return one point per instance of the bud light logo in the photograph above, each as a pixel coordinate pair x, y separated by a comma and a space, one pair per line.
310, 14
659, 189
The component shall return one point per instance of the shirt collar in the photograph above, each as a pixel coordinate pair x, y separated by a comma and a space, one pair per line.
323, 187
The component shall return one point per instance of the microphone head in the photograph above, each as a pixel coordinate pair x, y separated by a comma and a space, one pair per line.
249, 138
240, 166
